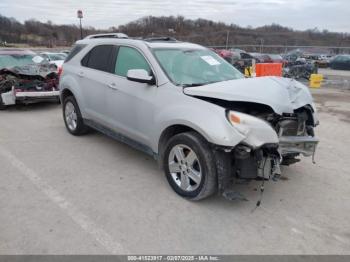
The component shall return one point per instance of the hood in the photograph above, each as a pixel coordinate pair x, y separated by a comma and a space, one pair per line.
283, 95
32, 70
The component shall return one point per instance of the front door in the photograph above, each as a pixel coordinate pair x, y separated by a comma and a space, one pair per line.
130, 104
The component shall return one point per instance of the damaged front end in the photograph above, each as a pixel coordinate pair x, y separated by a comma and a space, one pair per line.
262, 163
270, 140
296, 134
28, 84
276, 117
243, 163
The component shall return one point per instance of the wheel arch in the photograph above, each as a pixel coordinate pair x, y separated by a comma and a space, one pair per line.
171, 131
66, 93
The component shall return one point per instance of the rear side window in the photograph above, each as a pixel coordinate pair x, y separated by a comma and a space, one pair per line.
129, 58
99, 58
75, 50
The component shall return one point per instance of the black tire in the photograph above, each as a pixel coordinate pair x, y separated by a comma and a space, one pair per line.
81, 128
208, 184
2, 106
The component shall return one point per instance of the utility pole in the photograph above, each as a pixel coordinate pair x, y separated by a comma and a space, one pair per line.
227, 35
80, 16
261, 45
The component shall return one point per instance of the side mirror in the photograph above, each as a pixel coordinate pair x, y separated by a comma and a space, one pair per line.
140, 76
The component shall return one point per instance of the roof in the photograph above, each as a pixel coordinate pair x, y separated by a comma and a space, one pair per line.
107, 35
144, 42
152, 42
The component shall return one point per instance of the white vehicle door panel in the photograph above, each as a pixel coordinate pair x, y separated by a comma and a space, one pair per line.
94, 78
131, 108
131, 105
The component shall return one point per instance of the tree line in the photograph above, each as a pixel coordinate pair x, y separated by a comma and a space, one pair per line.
201, 31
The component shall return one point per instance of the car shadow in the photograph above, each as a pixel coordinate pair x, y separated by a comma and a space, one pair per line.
250, 191
33, 107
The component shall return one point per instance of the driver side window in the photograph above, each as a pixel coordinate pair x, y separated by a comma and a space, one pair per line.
129, 58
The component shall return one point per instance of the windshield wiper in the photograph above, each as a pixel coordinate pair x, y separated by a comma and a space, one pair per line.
193, 84
199, 84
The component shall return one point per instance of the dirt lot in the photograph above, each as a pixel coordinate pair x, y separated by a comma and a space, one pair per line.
339, 79
61, 194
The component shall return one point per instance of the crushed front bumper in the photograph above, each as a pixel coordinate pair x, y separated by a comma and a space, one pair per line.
12, 97
34, 97
20, 95
305, 145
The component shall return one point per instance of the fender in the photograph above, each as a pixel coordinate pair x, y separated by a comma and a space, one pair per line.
208, 120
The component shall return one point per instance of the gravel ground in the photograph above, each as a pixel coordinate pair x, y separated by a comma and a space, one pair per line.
61, 194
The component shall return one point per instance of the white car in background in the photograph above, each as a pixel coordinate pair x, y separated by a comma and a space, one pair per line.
54, 58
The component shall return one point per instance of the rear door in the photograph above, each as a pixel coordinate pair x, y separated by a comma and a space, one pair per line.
95, 76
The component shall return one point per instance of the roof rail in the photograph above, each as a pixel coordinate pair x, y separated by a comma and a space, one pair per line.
107, 35
160, 39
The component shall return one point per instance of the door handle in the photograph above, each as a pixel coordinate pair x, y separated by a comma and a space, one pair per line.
112, 86
81, 74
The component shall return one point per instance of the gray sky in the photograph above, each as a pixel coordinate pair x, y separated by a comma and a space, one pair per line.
333, 15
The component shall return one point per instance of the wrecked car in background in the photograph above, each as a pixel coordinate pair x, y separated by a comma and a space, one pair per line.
189, 108
24, 79
236, 57
300, 68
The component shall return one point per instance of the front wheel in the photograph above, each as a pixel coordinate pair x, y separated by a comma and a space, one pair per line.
190, 166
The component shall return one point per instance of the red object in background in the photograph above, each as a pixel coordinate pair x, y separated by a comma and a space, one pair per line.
268, 69
225, 53
59, 71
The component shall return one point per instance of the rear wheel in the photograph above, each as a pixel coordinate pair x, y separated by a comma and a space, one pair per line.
72, 117
189, 166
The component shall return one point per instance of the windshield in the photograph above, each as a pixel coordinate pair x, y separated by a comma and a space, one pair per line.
190, 67
8, 61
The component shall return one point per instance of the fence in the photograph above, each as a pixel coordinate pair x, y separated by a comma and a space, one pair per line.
279, 49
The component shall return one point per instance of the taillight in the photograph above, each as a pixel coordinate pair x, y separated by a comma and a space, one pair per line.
60, 71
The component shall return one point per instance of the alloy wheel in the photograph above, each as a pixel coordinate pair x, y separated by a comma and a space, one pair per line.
185, 168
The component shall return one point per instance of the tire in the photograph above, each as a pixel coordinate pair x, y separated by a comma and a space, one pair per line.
194, 179
75, 127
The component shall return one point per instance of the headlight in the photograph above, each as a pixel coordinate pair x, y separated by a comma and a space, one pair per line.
239, 121
256, 131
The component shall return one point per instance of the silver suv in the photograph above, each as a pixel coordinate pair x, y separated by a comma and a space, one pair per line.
204, 122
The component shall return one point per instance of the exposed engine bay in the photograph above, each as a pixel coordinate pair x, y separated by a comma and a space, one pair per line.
296, 137
28, 83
